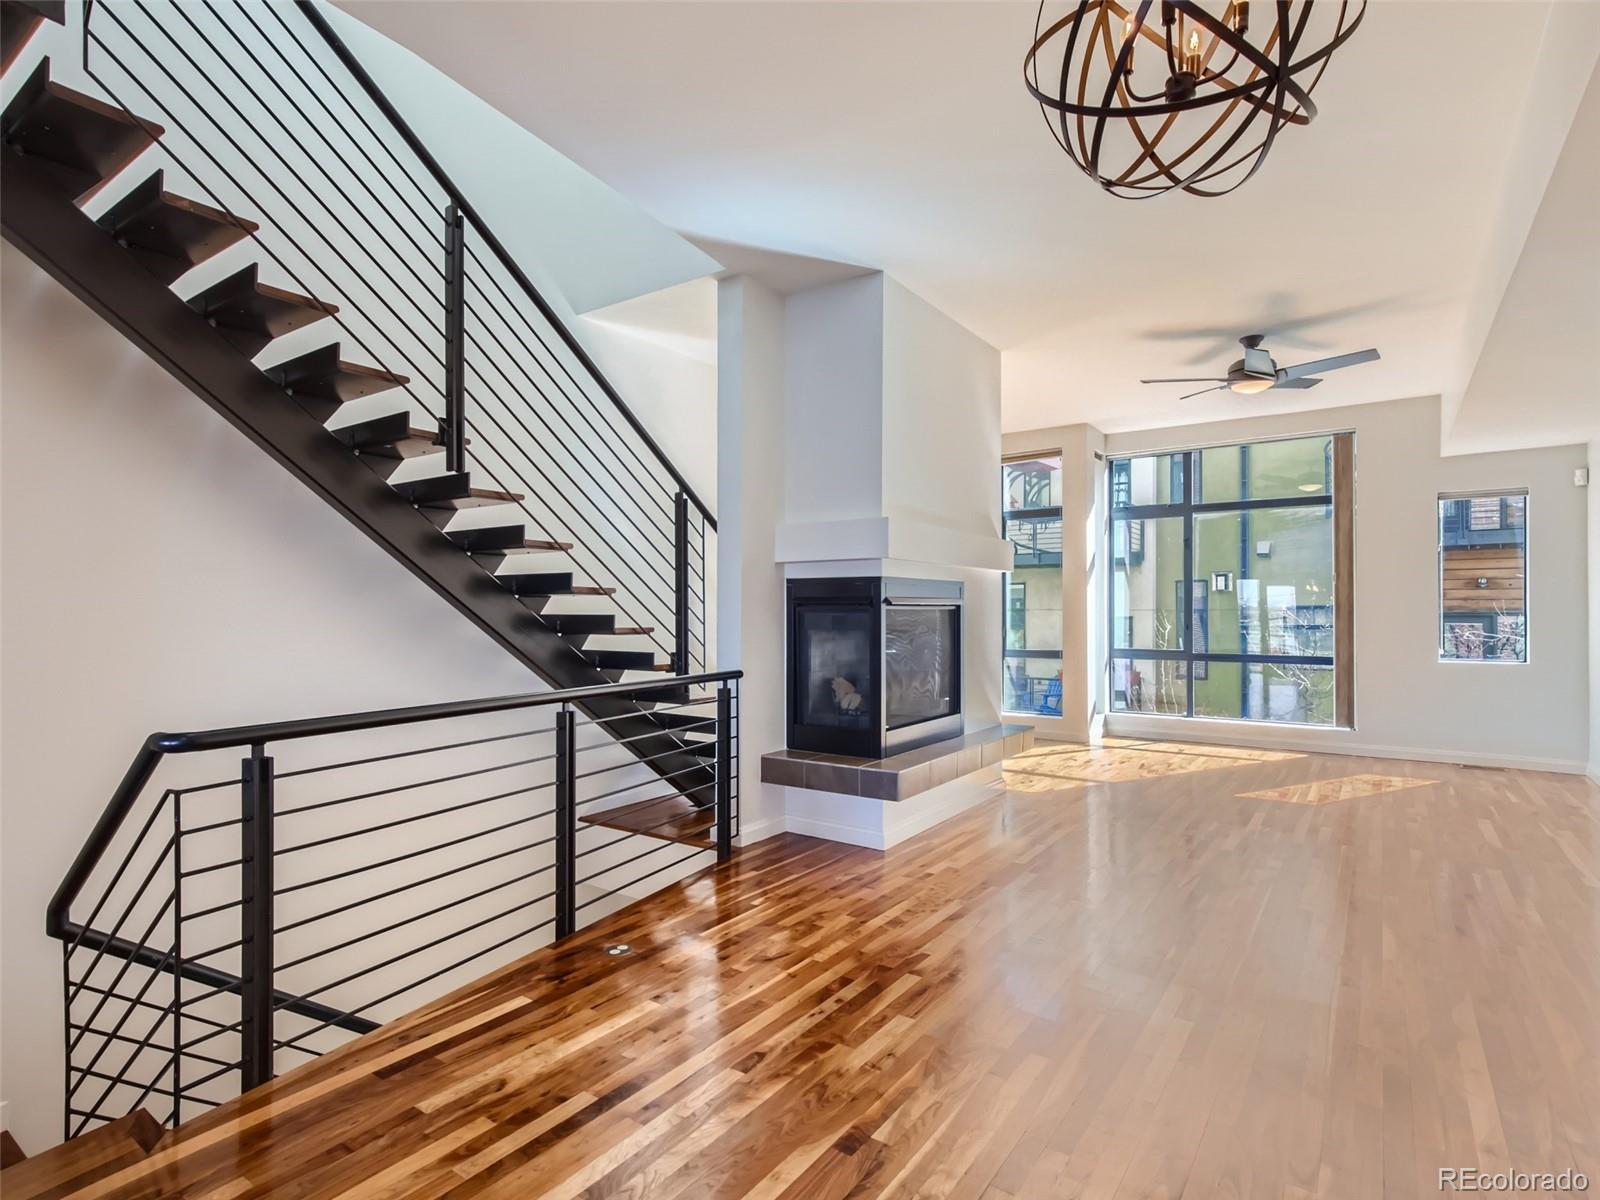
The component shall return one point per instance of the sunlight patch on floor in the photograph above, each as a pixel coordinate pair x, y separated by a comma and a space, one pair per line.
1123, 760
1330, 791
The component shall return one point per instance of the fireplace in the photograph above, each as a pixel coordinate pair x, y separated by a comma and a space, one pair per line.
874, 664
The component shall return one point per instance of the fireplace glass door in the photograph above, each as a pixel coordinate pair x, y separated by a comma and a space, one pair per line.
836, 646
921, 653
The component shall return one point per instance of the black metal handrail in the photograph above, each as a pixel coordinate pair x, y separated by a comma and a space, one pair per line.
149, 1015
457, 197
158, 745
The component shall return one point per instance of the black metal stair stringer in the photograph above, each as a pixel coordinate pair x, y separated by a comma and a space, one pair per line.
40, 220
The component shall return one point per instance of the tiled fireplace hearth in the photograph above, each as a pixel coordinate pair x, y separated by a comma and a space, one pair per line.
878, 802
900, 776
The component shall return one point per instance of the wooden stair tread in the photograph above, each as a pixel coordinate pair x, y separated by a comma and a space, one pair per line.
536, 546
19, 21
671, 818
392, 377
686, 724
478, 497
451, 491
391, 437
77, 1163
622, 660
489, 539
321, 374
251, 313
547, 583
85, 141
171, 233
631, 631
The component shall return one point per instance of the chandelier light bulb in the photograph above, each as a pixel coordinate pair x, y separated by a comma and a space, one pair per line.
1191, 53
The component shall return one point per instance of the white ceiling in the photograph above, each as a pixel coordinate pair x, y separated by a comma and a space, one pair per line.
897, 135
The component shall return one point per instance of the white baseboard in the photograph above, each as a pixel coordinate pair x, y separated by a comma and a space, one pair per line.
833, 831
1263, 737
749, 835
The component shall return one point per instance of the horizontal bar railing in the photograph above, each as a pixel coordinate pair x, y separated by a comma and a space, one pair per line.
353, 64
269, 115
352, 868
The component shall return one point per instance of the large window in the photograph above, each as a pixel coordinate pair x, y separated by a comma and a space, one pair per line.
1031, 511
1483, 577
1223, 571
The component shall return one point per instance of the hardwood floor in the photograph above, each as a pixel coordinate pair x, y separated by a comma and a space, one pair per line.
1146, 970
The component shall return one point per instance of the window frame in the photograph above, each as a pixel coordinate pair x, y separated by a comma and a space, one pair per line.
1467, 529
1008, 580
1194, 661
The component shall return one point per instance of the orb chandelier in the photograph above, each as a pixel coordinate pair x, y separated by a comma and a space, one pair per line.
1162, 94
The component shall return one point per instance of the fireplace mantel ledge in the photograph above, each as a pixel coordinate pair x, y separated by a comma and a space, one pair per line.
897, 538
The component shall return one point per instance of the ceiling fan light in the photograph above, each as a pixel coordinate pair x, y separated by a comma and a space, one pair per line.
1250, 385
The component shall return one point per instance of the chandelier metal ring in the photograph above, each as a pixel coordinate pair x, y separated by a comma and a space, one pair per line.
1256, 87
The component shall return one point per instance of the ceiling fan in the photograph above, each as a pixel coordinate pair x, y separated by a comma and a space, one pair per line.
1256, 372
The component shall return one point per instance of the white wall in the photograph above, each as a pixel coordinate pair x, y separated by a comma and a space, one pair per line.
941, 418
1594, 610
586, 245
833, 387
940, 434
1408, 703
660, 352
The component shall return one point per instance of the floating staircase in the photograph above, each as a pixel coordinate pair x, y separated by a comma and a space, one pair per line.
385, 473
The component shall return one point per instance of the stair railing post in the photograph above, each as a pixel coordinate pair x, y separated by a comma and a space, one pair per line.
680, 584
724, 791
256, 1040
566, 822
453, 429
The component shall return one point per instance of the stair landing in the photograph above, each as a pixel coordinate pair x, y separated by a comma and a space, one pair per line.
671, 817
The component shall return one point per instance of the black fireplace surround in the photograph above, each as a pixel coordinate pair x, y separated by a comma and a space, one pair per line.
874, 664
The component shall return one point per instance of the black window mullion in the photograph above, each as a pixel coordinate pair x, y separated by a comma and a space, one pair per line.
1224, 506
1188, 582
1147, 512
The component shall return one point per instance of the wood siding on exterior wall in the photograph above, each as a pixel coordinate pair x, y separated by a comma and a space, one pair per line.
1501, 566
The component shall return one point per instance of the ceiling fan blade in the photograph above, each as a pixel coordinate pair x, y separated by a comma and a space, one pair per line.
1201, 379
1307, 382
1321, 365
1202, 392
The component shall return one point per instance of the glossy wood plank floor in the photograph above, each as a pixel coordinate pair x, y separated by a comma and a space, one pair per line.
1121, 978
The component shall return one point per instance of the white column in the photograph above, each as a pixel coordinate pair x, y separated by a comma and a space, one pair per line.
750, 487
